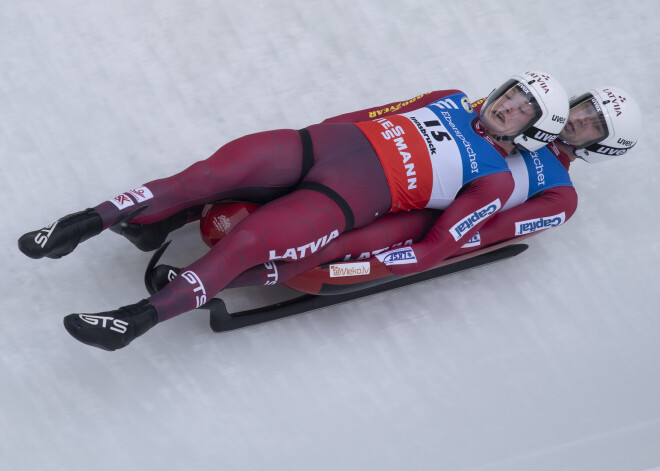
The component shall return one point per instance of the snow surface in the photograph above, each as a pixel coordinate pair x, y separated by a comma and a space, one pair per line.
545, 362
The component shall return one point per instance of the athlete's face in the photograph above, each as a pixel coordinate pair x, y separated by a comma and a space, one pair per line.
583, 125
510, 113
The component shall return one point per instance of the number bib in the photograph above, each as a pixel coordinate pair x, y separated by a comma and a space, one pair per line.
430, 153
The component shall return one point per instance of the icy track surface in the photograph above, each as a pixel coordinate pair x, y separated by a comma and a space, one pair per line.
545, 362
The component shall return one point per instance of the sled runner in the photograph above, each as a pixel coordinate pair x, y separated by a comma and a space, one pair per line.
321, 290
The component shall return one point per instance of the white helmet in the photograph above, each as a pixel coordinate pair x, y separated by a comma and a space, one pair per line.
546, 102
612, 120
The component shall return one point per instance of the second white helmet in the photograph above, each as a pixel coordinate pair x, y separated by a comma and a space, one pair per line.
603, 124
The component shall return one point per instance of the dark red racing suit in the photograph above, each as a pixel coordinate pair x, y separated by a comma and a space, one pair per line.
318, 183
539, 209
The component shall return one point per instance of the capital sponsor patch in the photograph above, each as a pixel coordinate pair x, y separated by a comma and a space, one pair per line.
533, 225
402, 256
141, 193
122, 201
464, 225
349, 269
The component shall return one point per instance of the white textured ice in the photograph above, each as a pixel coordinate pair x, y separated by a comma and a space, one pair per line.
545, 362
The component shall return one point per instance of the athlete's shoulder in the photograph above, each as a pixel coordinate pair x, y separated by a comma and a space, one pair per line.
451, 92
412, 104
477, 105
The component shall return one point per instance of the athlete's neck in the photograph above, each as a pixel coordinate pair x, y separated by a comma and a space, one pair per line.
508, 147
503, 147
566, 149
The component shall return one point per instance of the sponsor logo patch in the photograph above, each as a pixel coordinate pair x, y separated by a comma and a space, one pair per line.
402, 256
533, 225
192, 278
122, 201
397, 107
222, 223
350, 269
303, 251
468, 222
44, 234
271, 276
475, 241
103, 321
141, 193
466, 104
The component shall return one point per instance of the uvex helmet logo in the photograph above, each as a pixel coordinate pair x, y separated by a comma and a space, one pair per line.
606, 150
625, 142
105, 322
544, 136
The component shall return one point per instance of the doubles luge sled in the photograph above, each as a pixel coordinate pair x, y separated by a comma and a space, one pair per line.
320, 290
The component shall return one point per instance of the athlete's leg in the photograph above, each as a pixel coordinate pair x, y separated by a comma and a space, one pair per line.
345, 188
290, 228
257, 166
260, 166
389, 231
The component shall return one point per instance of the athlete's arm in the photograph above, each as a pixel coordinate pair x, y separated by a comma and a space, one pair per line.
550, 209
397, 107
457, 224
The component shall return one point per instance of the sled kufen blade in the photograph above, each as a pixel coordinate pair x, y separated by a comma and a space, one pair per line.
221, 320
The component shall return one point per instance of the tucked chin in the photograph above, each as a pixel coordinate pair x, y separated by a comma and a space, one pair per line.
492, 125
567, 136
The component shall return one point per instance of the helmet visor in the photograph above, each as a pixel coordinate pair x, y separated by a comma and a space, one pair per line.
586, 122
512, 109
